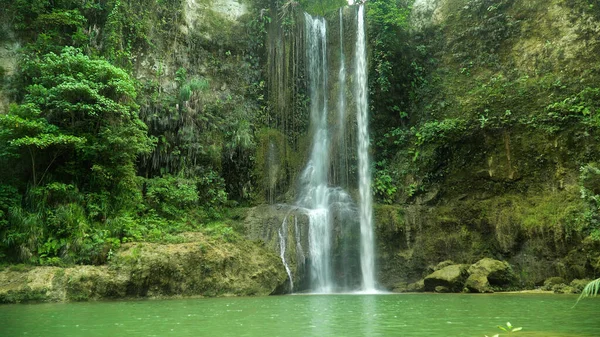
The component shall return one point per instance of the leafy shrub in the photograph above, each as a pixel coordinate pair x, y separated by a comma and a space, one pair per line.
171, 196
590, 193
384, 186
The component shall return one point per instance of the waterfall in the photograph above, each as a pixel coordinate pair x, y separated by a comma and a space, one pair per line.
342, 155
340, 252
314, 179
367, 254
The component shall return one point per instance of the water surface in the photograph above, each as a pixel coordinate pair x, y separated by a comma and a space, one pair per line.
410, 315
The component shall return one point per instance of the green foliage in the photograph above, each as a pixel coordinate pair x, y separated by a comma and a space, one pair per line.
440, 132
383, 185
171, 196
388, 27
320, 7
9, 198
211, 188
583, 106
138, 26
589, 181
221, 231
508, 328
78, 135
590, 290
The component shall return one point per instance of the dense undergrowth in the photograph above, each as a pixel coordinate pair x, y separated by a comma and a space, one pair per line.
94, 157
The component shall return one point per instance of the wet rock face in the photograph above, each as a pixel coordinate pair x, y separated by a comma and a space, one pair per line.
272, 224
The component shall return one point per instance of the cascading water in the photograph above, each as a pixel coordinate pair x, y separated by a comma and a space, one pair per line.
315, 191
341, 103
367, 256
333, 237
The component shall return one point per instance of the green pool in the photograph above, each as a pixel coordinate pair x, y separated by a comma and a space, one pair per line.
310, 315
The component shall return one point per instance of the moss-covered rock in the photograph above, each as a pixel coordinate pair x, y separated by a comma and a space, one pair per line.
202, 267
450, 278
418, 286
478, 283
498, 273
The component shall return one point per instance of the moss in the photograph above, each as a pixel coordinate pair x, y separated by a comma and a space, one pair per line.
24, 295
20, 267
275, 166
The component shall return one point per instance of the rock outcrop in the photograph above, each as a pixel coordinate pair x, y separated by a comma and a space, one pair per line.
201, 267
481, 277
448, 279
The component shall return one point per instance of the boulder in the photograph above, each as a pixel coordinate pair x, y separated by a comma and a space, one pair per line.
405, 287
443, 264
498, 273
478, 283
451, 277
415, 287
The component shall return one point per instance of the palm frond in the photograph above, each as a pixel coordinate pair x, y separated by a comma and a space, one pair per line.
590, 290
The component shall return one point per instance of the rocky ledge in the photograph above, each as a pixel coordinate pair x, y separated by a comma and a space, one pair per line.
201, 266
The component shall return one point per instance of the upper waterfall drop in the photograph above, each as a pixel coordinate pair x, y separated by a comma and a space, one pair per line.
367, 256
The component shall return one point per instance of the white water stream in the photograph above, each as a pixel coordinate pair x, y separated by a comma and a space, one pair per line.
367, 242
323, 203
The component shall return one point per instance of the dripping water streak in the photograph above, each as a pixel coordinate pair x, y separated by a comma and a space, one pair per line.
282, 232
342, 107
367, 255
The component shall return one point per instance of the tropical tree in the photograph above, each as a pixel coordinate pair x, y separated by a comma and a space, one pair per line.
70, 149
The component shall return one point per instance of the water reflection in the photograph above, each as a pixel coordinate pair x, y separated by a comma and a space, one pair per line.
321, 319
369, 309
330, 314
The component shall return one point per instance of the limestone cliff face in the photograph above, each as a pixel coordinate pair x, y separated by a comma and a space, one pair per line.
502, 133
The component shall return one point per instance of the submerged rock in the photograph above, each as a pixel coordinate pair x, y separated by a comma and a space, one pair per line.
451, 278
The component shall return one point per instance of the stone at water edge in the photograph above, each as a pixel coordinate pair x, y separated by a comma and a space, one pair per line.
451, 277
418, 286
498, 273
478, 283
